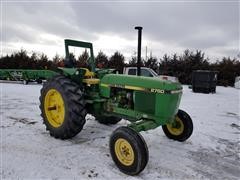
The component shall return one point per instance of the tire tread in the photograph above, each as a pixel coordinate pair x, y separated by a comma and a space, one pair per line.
75, 117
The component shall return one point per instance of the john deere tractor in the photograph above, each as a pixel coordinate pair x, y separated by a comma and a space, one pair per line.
146, 102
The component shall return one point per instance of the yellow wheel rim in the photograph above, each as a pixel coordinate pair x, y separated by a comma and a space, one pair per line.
54, 108
124, 152
176, 129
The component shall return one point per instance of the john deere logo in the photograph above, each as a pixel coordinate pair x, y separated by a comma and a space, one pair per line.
160, 91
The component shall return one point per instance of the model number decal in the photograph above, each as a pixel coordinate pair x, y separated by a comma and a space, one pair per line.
160, 91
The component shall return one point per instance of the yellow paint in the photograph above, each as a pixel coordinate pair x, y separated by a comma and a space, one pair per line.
125, 87
160, 91
88, 73
135, 88
104, 85
54, 108
124, 152
91, 81
176, 130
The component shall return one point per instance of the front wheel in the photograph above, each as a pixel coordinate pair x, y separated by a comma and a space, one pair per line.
128, 150
181, 129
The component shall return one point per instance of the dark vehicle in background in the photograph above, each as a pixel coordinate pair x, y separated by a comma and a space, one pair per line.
204, 81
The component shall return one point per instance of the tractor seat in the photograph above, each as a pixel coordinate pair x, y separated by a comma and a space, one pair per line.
89, 77
87, 73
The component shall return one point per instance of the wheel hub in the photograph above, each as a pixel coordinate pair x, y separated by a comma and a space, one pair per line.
124, 152
177, 127
54, 108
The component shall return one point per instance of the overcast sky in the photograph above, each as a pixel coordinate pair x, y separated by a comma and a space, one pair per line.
168, 26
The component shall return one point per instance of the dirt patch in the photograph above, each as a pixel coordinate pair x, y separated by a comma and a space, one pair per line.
231, 114
235, 126
92, 174
22, 120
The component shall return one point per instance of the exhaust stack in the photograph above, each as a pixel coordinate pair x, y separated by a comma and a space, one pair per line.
139, 28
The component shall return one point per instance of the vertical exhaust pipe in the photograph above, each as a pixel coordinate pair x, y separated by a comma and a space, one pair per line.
139, 28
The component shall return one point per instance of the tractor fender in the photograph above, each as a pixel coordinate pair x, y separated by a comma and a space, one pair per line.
75, 74
67, 71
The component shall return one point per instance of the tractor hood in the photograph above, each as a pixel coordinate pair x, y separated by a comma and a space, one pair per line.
150, 95
149, 84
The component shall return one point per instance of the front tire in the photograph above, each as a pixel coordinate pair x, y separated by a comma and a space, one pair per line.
128, 150
62, 107
181, 129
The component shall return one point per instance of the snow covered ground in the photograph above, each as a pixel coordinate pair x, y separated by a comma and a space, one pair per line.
27, 150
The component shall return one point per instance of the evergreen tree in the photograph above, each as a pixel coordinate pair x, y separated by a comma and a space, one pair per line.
132, 62
180, 66
117, 62
152, 63
83, 59
101, 60
227, 69
56, 59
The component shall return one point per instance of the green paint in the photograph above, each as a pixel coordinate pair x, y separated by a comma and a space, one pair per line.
149, 83
147, 102
25, 74
81, 44
143, 125
68, 71
154, 99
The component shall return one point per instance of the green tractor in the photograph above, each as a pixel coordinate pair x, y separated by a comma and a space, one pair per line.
146, 102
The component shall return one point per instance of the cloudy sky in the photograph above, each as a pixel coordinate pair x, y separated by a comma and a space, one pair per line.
168, 26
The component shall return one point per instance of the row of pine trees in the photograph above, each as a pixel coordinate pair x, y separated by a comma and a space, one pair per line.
180, 66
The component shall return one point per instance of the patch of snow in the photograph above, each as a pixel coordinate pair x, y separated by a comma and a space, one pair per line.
28, 151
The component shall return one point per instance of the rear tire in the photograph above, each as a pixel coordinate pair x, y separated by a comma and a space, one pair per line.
108, 119
128, 150
63, 111
183, 128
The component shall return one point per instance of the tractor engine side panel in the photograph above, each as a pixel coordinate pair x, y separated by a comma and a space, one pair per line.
167, 106
144, 102
147, 98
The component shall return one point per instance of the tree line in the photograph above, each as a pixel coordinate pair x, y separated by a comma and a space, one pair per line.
180, 66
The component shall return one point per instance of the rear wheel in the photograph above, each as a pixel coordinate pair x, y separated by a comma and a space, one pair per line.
128, 150
181, 129
62, 107
108, 119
